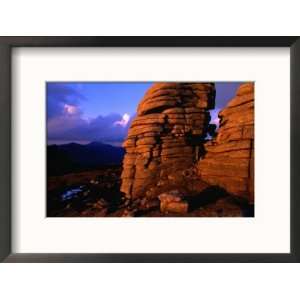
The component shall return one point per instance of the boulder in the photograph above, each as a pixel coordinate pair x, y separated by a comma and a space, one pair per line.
229, 158
166, 135
173, 202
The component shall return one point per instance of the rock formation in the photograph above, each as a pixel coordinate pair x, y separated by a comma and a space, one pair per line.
229, 158
173, 202
166, 137
170, 168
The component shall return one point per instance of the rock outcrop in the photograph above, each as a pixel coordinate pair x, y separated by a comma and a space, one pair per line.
229, 158
166, 137
173, 202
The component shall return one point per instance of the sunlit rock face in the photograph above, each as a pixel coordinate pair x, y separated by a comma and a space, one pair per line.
166, 137
229, 158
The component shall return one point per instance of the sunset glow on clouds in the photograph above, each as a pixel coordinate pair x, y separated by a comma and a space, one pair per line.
124, 121
78, 112
68, 121
70, 109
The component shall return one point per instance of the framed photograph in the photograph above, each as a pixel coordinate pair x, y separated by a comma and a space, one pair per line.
149, 149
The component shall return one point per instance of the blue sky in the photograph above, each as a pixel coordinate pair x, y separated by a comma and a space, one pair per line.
84, 112
107, 98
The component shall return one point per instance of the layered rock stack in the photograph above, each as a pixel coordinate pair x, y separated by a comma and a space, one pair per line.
229, 158
167, 135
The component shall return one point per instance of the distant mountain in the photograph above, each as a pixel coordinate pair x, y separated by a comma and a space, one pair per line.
73, 157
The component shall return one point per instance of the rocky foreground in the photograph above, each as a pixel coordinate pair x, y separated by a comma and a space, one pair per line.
97, 194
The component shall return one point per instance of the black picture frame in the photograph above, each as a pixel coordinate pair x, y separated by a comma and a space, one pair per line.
8, 43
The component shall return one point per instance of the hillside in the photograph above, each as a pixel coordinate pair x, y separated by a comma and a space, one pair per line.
73, 157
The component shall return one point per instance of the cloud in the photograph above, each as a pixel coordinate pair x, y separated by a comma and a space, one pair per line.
71, 109
72, 127
214, 116
124, 121
61, 96
65, 120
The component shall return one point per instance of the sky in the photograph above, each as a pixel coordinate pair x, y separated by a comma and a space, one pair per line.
85, 112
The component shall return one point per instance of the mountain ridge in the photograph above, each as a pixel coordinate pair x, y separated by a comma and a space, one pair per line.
75, 157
